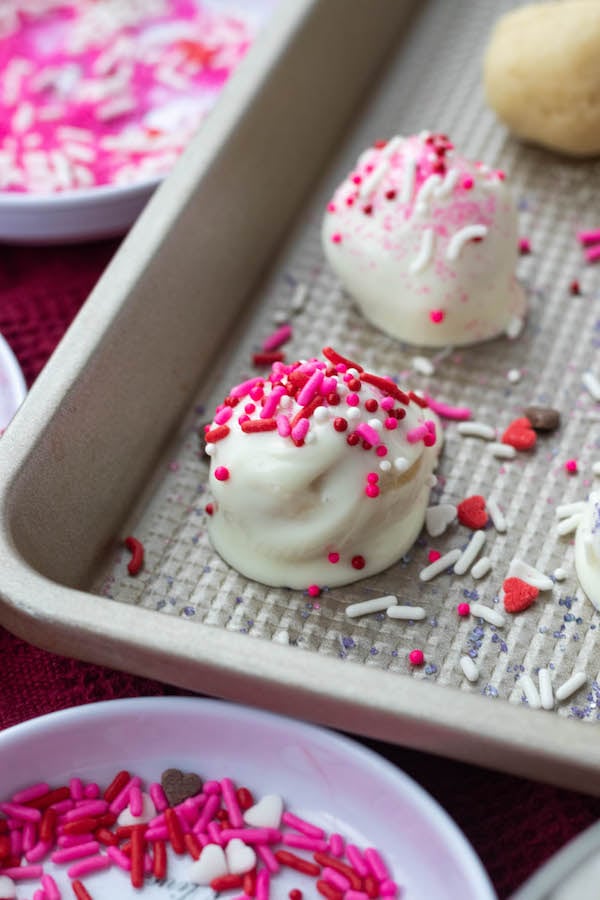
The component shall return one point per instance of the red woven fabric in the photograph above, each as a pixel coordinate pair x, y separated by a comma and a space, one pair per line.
514, 825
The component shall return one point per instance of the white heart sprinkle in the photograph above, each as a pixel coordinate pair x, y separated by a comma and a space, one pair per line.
8, 889
148, 812
437, 518
212, 863
266, 813
240, 857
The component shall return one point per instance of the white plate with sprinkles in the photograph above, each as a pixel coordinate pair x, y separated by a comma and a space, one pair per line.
194, 797
98, 98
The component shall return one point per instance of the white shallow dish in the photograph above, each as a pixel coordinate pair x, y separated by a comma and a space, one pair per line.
572, 874
79, 215
12, 384
322, 776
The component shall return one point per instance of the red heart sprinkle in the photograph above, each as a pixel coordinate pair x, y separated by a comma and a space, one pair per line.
520, 435
518, 595
472, 512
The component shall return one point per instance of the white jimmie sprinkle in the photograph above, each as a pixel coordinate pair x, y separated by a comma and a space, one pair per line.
408, 613
497, 516
440, 565
477, 429
462, 237
571, 685
546, 694
531, 692
502, 451
377, 604
470, 553
487, 614
469, 668
481, 567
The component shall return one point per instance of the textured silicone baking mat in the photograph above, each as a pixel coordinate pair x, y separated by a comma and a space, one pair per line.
433, 83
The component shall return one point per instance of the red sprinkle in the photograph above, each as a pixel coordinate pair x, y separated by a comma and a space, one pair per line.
267, 359
159, 862
463, 609
136, 548
437, 316
574, 288
295, 894
226, 882
524, 246
327, 890
244, 798
80, 891
116, 786
216, 434
314, 590
209, 509
297, 862
221, 473
174, 830
333, 558
358, 562
253, 426
338, 360
138, 844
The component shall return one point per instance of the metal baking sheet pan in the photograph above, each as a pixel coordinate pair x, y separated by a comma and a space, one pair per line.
107, 443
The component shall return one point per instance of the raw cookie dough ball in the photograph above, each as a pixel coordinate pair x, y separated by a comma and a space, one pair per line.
426, 243
320, 473
542, 74
587, 550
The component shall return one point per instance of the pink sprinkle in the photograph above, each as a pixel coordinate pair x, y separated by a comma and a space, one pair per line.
74, 840
352, 400
571, 466
332, 876
356, 179
356, 895
76, 788
268, 857
24, 813
63, 806
333, 557
122, 798
224, 415
305, 843
283, 425
31, 793
468, 183
244, 388
524, 246
136, 803
387, 403
381, 450
92, 790
29, 836
257, 392
50, 887
119, 858
391, 423
437, 316
39, 894
279, 337
300, 429
313, 591
357, 861
231, 804
374, 860
77, 852
372, 490
157, 833
252, 835
301, 825
213, 830
158, 796
22, 873
463, 609
433, 555
221, 473
416, 658
212, 805
91, 808
336, 238
417, 434
212, 787
263, 880
310, 389
38, 852
457, 413
593, 253
589, 237
372, 478
331, 207
87, 866
16, 842
368, 433
336, 844
272, 402
388, 888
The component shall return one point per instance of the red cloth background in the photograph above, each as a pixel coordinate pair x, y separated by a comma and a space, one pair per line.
513, 824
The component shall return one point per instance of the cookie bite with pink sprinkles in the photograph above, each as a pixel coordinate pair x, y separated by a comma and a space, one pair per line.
426, 243
320, 473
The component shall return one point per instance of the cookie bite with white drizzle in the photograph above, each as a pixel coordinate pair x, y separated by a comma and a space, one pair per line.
426, 243
320, 473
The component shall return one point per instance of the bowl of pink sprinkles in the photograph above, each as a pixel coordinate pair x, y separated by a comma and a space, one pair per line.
174, 797
98, 98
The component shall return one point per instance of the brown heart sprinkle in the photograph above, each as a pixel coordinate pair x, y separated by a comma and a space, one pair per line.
179, 786
543, 418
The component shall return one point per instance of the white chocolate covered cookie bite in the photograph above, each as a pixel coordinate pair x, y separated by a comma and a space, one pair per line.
426, 243
320, 473
587, 549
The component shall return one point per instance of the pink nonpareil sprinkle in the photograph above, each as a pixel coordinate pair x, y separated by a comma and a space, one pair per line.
592, 254
571, 466
524, 246
591, 236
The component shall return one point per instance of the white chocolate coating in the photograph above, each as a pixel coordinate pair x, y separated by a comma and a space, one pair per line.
318, 510
426, 243
587, 549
